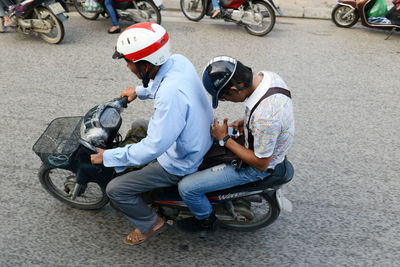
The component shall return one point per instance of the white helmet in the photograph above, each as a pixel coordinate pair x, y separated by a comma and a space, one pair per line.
144, 41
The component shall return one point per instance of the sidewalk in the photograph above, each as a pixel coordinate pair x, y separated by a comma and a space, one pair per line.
291, 8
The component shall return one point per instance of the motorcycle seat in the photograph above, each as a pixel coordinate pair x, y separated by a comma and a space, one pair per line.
282, 174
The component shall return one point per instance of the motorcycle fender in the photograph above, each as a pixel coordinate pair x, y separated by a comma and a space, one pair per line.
57, 9
283, 202
349, 3
62, 17
275, 5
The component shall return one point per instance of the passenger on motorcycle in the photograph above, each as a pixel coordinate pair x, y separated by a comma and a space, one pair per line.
178, 132
269, 134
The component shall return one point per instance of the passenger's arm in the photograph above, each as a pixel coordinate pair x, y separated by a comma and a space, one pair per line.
220, 131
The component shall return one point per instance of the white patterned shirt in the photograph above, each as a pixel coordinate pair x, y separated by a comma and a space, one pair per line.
272, 123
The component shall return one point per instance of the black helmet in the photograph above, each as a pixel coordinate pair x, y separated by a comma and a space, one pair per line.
223, 72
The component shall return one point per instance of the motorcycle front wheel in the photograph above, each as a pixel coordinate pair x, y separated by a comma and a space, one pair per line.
253, 213
60, 183
265, 16
194, 10
342, 18
56, 35
78, 4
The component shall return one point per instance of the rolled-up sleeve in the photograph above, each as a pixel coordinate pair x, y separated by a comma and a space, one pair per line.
165, 126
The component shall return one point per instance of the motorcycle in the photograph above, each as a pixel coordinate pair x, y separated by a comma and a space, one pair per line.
129, 10
347, 12
43, 17
68, 175
257, 16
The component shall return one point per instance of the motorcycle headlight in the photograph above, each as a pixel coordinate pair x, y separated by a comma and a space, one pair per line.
110, 118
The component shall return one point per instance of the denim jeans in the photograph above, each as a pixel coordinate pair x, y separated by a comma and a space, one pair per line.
193, 187
215, 4
111, 12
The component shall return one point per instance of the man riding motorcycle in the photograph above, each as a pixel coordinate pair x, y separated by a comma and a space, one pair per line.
178, 133
268, 127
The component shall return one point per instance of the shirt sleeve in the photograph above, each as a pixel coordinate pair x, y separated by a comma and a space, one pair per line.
165, 126
145, 92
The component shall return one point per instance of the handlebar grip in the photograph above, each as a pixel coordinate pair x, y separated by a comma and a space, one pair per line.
124, 101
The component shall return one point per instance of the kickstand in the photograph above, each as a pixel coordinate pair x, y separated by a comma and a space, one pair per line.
390, 34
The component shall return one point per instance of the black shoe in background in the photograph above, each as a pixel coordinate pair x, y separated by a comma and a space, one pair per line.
194, 225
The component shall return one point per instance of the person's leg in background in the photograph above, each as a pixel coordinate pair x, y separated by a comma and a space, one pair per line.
114, 20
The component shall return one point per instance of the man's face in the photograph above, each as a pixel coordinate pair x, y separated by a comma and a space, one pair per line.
233, 95
132, 67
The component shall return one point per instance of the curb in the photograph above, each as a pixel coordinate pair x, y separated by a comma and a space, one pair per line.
288, 11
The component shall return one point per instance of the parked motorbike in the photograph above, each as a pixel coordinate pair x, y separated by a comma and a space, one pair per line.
347, 12
42, 17
257, 16
68, 175
130, 10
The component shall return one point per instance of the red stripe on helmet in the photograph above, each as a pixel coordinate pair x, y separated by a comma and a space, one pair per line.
147, 51
142, 25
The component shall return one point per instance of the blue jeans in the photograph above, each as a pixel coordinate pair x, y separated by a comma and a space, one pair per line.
193, 187
111, 12
215, 4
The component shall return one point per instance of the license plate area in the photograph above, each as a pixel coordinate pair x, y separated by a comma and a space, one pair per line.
56, 8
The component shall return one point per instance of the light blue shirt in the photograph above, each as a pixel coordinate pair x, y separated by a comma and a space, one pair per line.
178, 134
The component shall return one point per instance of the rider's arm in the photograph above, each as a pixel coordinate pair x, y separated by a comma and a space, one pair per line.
165, 126
248, 155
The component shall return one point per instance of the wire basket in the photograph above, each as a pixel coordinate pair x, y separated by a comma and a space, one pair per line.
59, 141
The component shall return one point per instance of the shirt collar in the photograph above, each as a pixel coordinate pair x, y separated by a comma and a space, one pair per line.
164, 68
259, 92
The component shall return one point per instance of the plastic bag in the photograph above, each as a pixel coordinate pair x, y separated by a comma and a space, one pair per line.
93, 6
379, 9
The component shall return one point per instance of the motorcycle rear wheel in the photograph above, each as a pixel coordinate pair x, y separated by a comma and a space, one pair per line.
78, 4
193, 10
268, 19
60, 183
57, 28
152, 14
263, 214
337, 16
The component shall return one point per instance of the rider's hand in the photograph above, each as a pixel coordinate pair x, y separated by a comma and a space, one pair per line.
130, 92
219, 131
97, 158
238, 125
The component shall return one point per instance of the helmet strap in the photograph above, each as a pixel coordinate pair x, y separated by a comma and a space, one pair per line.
144, 76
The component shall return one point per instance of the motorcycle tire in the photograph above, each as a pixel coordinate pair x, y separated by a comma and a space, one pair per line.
263, 8
57, 26
266, 219
64, 189
149, 6
337, 16
193, 10
78, 4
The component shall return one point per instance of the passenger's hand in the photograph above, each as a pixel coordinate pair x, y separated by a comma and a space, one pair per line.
219, 131
238, 125
97, 158
130, 92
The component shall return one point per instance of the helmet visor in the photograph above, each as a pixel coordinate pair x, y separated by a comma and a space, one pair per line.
117, 55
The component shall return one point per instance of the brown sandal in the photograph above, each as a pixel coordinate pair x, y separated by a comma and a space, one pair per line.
135, 238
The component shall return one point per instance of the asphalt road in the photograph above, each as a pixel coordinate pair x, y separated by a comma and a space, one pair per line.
346, 154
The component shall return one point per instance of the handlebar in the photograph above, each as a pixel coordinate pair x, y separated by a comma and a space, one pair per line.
123, 101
